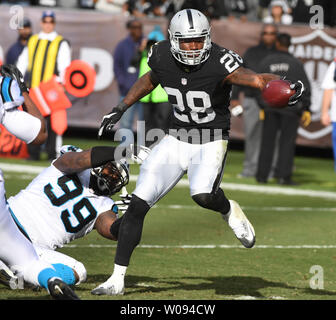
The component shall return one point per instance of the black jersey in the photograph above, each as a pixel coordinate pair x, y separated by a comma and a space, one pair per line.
199, 98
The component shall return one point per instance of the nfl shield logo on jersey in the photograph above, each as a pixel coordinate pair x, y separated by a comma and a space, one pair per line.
184, 81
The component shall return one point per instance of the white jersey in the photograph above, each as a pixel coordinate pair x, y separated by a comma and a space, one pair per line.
56, 208
21, 124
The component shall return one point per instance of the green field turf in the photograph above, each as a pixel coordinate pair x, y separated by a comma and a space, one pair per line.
188, 252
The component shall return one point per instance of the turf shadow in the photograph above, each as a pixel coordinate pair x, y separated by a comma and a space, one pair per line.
316, 292
239, 286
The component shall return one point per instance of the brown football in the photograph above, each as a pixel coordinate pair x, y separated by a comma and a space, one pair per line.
277, 93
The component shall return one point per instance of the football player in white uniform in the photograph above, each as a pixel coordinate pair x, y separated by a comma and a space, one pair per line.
68, 200
29, 126
197, 75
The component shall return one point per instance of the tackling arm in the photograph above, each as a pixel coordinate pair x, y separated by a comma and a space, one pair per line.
72, 162
30, 107
103, 224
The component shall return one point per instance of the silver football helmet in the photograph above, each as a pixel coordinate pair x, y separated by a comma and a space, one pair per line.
109, 178
189, 23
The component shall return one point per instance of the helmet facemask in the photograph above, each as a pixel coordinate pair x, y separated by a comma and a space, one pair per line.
108, 179
189, 24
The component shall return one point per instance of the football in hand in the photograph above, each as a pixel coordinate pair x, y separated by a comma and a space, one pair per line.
276, 94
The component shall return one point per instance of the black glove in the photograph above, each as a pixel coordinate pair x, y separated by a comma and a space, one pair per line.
11, 71
299, 89
108, 122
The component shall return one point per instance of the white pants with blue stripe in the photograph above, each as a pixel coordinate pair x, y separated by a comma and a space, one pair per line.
16, 251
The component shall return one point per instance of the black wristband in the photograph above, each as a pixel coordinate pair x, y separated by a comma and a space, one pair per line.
121, 107
23, 87
101, 155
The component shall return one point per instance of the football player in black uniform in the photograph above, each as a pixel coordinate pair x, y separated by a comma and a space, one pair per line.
197, 76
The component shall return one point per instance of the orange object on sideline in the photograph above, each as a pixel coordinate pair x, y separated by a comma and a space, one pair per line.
79, 78
50, 96
11, 146
58, 120
37, 97
51, 100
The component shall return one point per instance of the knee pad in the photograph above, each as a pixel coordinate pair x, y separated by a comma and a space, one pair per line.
203, 199
137, 208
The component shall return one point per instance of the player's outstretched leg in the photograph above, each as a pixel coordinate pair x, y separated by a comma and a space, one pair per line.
59, 290
231, 213
128, 238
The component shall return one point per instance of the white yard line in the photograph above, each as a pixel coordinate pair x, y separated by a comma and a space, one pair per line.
28, 169
251, 208
209, 246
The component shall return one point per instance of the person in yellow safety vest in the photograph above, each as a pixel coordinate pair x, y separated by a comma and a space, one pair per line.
157, 109
47, 54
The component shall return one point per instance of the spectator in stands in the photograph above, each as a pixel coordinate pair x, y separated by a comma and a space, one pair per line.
111, 6
163, 8
214, 9
242, 9
279, 13
126, 70
137, 8
263, 9
194, 4
16, 49
300, 10
87, 4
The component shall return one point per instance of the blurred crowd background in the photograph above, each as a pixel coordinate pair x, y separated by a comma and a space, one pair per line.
283, 11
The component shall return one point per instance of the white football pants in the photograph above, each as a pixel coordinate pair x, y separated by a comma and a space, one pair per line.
53, 257
16, 251
171, 159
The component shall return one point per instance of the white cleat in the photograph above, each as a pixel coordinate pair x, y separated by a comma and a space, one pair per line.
111, 287
240, 225
7, 277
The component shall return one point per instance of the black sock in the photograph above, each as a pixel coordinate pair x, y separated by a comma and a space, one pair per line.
130, 230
